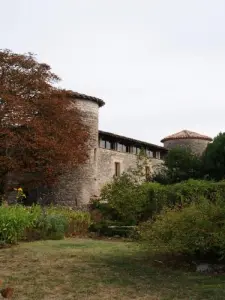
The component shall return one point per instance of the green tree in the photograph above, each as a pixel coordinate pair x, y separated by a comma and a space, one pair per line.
180, 164
214, 158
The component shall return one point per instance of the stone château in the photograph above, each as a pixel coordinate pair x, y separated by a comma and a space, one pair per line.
111, 154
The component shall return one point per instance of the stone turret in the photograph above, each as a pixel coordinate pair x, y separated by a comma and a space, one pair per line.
189, 139
76, 188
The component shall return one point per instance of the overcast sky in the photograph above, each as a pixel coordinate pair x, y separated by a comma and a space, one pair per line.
158, 64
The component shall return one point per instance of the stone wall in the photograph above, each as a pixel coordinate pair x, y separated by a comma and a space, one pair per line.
196, 145
106, 164
77, 187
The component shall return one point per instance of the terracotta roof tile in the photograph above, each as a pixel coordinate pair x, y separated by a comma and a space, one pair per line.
76, 95
186, 134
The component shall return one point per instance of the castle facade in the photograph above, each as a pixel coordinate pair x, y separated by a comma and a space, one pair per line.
111, 154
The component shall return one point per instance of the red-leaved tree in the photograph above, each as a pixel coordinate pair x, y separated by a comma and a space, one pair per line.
41, 134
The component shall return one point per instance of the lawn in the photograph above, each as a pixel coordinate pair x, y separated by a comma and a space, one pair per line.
95, 270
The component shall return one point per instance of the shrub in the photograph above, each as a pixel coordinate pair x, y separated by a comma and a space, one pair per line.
125, 199
131, 202
128, 201
197, 230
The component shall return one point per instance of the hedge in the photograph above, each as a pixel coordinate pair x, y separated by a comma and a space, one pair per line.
131, 203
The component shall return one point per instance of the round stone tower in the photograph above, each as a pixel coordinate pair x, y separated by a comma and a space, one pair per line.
188, 139
77, 187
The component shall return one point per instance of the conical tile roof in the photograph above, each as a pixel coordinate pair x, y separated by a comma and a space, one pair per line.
186, 134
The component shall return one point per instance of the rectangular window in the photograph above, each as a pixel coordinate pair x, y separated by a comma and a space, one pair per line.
117, 169
162, 155
108, 145
113, 146
119, 147
102, 144
149, 153
134, 150
147, 172
127, 149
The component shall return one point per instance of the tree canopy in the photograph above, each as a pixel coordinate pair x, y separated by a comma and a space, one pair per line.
180, 164
214, 158
40, 132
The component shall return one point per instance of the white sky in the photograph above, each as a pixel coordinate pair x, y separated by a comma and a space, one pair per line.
158, 64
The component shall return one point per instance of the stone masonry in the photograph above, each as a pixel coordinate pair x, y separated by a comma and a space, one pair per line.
76, 188
196, 142
106, 165
196, 145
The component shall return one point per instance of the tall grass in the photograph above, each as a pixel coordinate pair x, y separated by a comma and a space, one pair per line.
30, 223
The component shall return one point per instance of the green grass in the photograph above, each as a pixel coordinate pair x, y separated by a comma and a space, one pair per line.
95, 270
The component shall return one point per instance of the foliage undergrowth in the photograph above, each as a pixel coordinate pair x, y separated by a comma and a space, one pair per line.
32, 223
196, 230
130, 203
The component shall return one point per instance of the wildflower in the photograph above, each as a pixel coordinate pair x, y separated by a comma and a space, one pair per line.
20, 194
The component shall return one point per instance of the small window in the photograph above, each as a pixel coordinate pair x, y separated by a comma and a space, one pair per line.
149, 153
134, 149
113, 146
102, 144
158, 155
147, 172
117, 169
119, 147
108, 145
127, 149
162, 155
